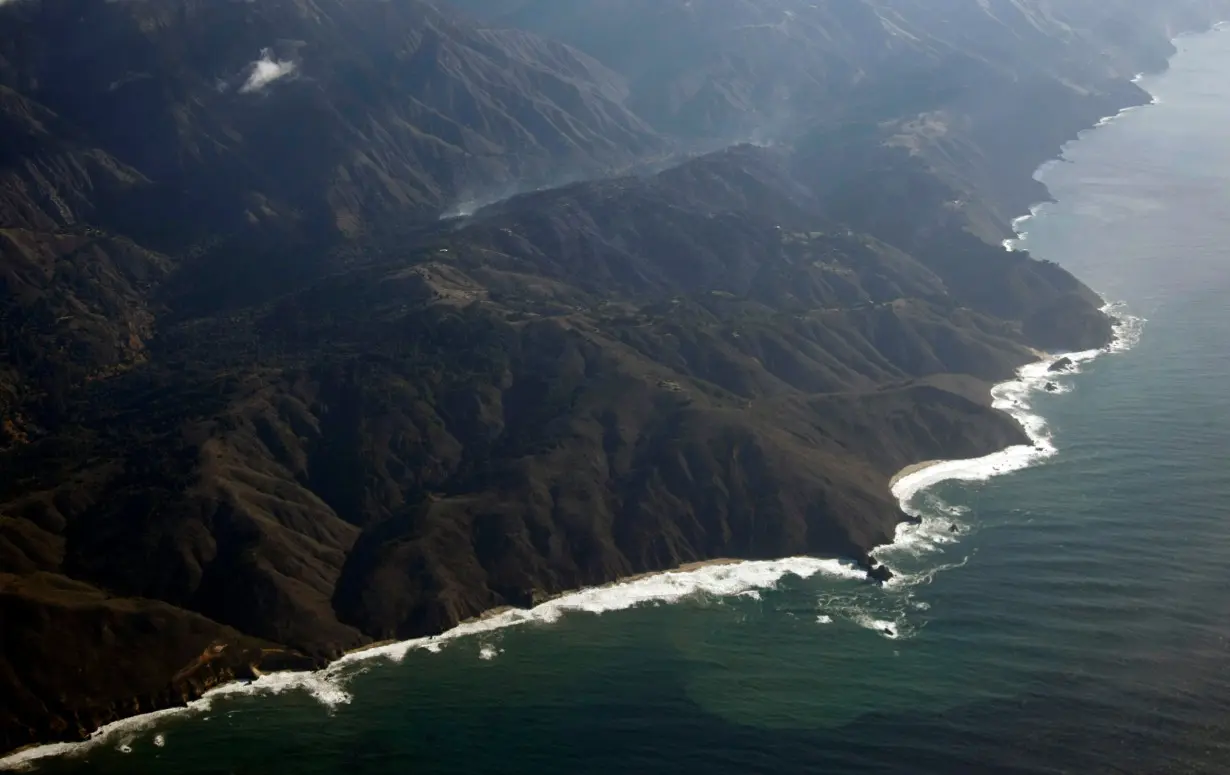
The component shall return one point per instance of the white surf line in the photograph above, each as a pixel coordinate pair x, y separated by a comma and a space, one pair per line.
1013, 244
1011, 397
719, 580
324, 684
726, 579
1018, 224
123, 732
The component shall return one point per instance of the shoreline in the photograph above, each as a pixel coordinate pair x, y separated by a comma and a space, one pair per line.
1011, 397
722, 577
475, 622
912, 468
1008, 396
719, 576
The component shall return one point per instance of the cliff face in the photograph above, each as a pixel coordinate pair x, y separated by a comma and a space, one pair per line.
261, 405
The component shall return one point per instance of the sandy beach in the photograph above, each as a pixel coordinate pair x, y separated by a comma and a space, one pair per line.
911, 469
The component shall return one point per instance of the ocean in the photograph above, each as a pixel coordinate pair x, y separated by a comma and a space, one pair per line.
1064, 608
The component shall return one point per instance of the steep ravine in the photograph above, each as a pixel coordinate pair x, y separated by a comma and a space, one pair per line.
729, 359
696, 422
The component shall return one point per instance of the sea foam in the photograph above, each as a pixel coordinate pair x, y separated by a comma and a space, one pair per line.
122, 733
733, 579
717, 580
328, 685
125, 732
488, 652
1020, 223
938, 520
885, 627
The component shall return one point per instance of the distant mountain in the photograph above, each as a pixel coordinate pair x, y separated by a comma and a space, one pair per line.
277, 385
327, 112
746, 69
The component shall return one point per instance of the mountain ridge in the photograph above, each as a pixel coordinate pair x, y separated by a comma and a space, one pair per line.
311, 414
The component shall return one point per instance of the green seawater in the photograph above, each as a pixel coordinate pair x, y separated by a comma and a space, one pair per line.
1078, 622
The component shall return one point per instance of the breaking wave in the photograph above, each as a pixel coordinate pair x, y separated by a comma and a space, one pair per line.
941, 523
328, 686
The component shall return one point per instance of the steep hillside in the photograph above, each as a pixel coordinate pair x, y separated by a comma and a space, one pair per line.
565, 388
984, 92
262, 404
247, 146
299, 112
739, 69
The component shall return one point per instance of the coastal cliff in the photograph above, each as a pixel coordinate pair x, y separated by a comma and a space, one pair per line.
262, 404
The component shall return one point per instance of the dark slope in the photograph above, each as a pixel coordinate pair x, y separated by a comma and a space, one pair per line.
261, 406
571, 386
384, 108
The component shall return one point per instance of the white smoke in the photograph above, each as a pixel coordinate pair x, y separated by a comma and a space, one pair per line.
265, 71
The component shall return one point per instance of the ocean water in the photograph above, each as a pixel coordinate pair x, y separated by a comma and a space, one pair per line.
1076, 621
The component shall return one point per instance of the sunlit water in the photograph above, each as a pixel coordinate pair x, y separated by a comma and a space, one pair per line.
1077, 621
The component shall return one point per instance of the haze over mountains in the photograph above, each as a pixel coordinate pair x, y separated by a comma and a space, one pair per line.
261, 404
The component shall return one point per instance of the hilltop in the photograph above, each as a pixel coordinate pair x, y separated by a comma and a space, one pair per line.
269, 395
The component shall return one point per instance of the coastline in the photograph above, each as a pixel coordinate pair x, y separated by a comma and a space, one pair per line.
924, 533
720, 576
1008, 396
1011, 395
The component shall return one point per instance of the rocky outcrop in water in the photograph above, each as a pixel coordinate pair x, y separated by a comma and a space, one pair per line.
261, 406
880, 574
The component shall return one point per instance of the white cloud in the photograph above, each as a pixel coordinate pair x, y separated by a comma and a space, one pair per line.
265, 71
